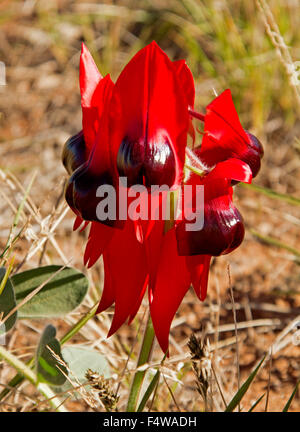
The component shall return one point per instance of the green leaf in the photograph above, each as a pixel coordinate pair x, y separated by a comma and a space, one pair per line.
286, 408
47, 366
256, 403
7, 303
149, 391
241, 392
62, 294
79, 360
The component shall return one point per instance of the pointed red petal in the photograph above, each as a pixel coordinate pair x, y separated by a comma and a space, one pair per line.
99, 237
172, 283
128, 272
92, 116
198, 266
224, 136
137, 305
186, 80
89, 76
108, 294
150, 108
84, 226
78, 221
233, 169
95, 95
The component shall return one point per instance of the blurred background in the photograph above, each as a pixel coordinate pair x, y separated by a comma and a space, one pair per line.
251, 47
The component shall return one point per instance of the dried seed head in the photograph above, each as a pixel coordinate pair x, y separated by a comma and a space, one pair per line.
105, 393
201, 360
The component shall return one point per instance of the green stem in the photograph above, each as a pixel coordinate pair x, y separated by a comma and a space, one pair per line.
194, 170
75, 329
25, 371
144, 357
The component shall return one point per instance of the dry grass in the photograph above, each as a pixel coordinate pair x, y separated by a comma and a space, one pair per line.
227, 44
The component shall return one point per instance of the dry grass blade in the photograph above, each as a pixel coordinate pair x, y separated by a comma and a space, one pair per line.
269, 381
235, 330
171, 393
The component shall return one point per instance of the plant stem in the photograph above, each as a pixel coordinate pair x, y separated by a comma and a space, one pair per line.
75, 329
194, 170
25, 371
144, 357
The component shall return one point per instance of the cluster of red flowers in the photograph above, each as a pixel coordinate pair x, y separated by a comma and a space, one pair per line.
138, 128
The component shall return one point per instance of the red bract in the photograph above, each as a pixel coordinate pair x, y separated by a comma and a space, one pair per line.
137, 128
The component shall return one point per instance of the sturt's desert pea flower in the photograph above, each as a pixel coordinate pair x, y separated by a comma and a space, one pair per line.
137, 129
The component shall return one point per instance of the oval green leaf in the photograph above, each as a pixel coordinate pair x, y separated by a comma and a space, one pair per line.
49, 368
79, 360
7, 303
62, 293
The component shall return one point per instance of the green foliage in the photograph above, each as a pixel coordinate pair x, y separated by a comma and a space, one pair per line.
79, 360
151, 387
7, 303
49, 367
288, 404
241, 392
63, 291
256, 402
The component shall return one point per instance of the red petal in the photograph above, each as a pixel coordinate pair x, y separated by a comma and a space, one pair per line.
126, 261
233, 169
172, 283
108, 294
198, 266
95, 95
186, 80
89, 76
92, 116
224, 136
137, 305
78, 221
84, 226
99, 237
150, 109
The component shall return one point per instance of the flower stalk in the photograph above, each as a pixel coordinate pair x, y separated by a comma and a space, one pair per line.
144, 357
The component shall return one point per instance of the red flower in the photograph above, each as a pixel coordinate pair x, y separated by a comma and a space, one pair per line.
224, 136
137, 128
